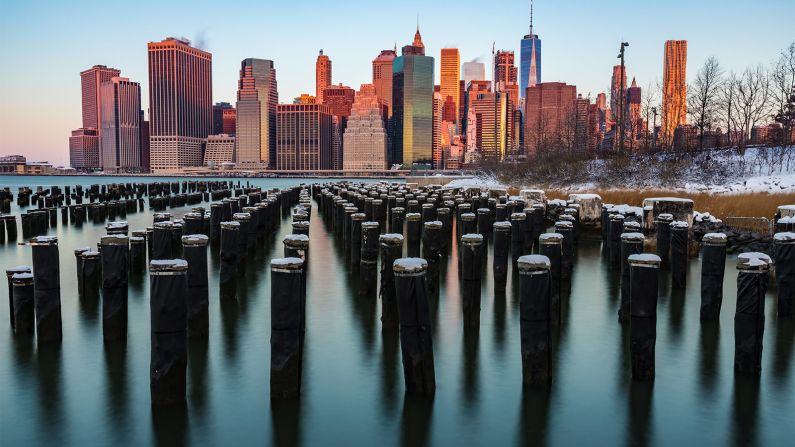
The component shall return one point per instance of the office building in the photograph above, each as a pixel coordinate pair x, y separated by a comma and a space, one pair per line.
365, 138
120, 134
382, 77
257, 100
84, 149
219, 150
180, 103
473, 71
450, 81
549, 107
530, 59
322, 75
674, 95
303, 137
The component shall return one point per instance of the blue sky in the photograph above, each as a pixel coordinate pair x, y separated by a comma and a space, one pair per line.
45, 45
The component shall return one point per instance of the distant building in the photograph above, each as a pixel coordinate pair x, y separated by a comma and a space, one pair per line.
120, 136
180, 103
487, 127
219, 149
91, 80
305, 98
685, 137
340, 99
382, 77
473, 71
257, 100
322, 75
144, 138
505, 75
618, 87
634, 123
674, 95
549, 108
530, 59
84, 149
224, 118
303, 137
436, 150
450, 81
365, 137
412, 96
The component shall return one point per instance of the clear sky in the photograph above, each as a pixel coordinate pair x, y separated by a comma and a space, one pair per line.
45, 44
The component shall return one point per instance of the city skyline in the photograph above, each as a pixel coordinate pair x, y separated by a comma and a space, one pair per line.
59, 92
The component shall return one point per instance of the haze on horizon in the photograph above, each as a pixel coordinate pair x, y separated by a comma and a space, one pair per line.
47, 44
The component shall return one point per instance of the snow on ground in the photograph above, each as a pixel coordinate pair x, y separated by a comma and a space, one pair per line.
474, 182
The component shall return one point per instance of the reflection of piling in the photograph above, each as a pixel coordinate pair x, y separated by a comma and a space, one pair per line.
502, 241
47, 288
23, 304
114, 251
785, 272
22, 269
664, 236
286, 327
415, 326
631, 244
194, 248
168, 303
551, 246
517, 235
749, 318
472, 263
534, 316
713, 265
413, 234
644, 269
391, 250
368, 269
432, 253
679, 237
230, 232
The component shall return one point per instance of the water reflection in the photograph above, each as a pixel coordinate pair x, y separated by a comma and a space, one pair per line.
676, 311
415, 422
230, 319
197, 374
534, 415
641, 429
745, 410
286, 422
48, 370
170, 425
471, 370
499, 311
391, 374
709, 344
782, 350
116, 384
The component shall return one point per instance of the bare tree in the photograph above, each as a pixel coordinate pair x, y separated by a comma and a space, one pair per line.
702, 101
728, 105
752, 93
782, 79
650, 106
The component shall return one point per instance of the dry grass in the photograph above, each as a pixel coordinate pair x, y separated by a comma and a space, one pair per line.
759, 204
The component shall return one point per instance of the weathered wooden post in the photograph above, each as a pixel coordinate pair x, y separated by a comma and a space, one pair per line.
286, 327
91, 272
664, 236
644, 272
114, 251
194, 248
161, 240
413, 234
502, 241
472, 263
749, 318
517, 233
415, 326
785, 272
368, 273
534, 319
23, 312
10, 275
631, 244
397, 216
357, 219
391, 251
432, 253
230, 232
551, 246
168, 290
566, 229
713, 265
679, 239
47, 288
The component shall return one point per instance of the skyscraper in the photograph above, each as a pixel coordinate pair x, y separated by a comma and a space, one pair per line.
674, 97
505, 75
84, 149
438, 109
634, 118
340, 99
143, 125
257, 99
120, 137
450, 80
223, 118
322, 75
549, 107
412, 101
91, 80
530, 55
618, 87
303, 137
474, 71
365, 137
382, 77
180, 103
487, 128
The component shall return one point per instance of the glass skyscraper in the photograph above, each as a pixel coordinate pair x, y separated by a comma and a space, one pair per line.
530, 59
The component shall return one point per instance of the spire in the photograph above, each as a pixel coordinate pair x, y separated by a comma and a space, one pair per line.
321, 51
531, 18
634, 84
417, 37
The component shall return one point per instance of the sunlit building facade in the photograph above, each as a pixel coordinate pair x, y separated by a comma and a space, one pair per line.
674, 95
549, 109
473, 71
412, 96
365, 137
449, 85
120, 137
303, 137
180, 103
219, 149
382, 77
322, 75
224, 117
84, 149
90, 81
257, 100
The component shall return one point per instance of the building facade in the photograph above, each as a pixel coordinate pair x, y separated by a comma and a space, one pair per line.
488, 125
322, 75
257, 101
218, 150
365, 138
84, 149
382, 77
224, 118
303, 137
549, 116
674, 95
473, 71
530, 59
450, 81
90, 81
412, 97
340, 99
120, 135
180, 103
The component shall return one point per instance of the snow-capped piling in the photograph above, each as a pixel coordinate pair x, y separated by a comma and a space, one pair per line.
356, 240
230, 232
415, 326
472, 254
296, 246
644, 273
663, 230
287, 327
484, 222
91, 273
444, 216
713, 265
413, 234
679, 241
301, 227
432, 253
566, 229
368, 272
23, 303
517, 235
168, 302
47, 288
428, 212
194, 248
391, 250
10, 275
534, 319
468, 223
616, 227
631, 244
114, 251
749, 317
346, 228
502, 241
785, 272
551, 246
10, 222
500, 212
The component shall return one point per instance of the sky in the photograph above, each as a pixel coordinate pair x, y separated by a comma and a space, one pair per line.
44, 45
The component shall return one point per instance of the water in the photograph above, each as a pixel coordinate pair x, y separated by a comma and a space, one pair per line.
85, 392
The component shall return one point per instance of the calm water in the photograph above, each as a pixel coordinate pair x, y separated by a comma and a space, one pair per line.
85, 392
